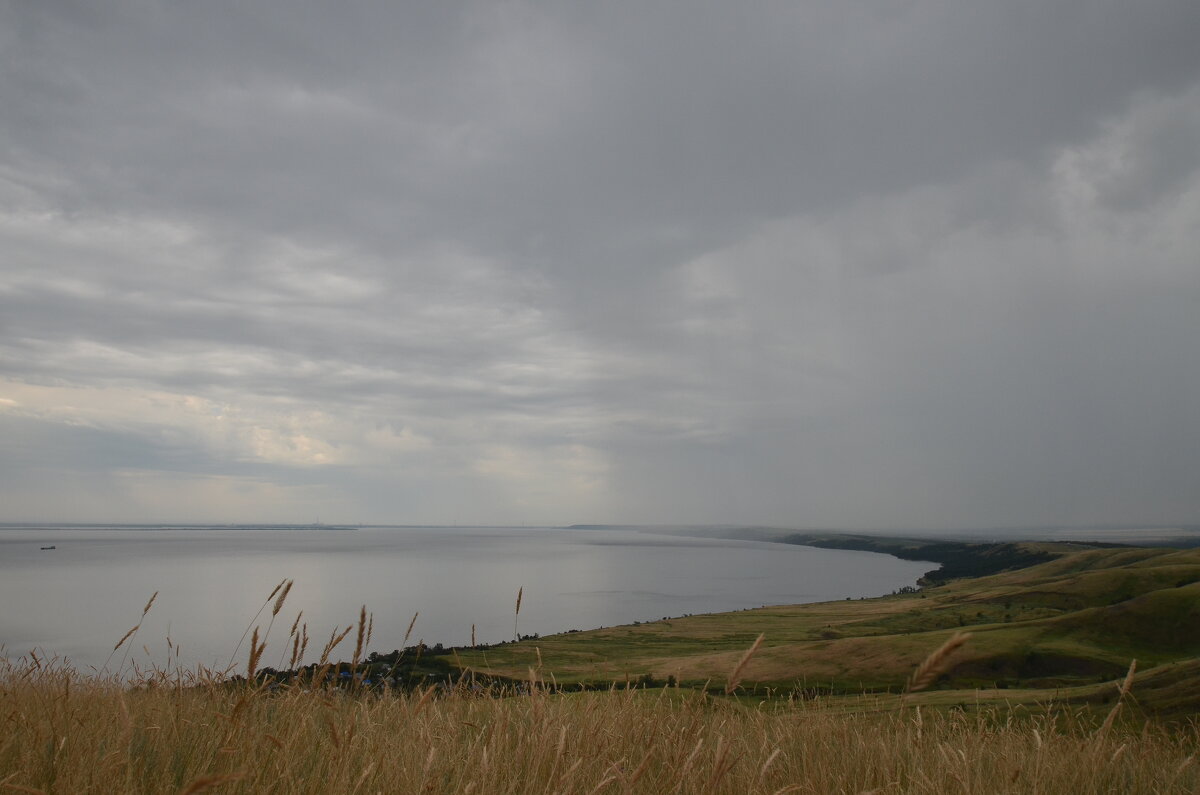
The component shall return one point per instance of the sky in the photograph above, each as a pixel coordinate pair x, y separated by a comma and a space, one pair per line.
838, 263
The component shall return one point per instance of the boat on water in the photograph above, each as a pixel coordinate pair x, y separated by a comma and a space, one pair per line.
49, 547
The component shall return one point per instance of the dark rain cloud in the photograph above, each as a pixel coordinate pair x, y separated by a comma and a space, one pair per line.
837, 263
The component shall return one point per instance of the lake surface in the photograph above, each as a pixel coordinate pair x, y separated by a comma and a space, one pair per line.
77, 600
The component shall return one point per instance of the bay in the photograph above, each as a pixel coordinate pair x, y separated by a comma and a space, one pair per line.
75, 601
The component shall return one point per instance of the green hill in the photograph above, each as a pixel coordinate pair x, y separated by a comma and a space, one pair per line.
1069, 623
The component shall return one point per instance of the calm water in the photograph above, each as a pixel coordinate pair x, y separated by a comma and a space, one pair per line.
77, 600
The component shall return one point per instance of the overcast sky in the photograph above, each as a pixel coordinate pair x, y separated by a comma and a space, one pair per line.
906, 263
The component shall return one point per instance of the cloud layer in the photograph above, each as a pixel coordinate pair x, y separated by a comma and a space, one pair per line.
914, 264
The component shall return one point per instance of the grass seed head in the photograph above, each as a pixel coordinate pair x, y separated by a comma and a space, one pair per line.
736, 676
936, 663
287, 587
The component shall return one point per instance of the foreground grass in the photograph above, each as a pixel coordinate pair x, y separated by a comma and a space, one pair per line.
66, 733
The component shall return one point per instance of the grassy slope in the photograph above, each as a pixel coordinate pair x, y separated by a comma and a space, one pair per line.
66, 733
1074, 621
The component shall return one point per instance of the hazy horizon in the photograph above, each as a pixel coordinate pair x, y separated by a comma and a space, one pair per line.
824, 265
1127, 533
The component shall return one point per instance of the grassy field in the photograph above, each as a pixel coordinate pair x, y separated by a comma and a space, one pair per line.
1073, 622
67, 734
1039, 698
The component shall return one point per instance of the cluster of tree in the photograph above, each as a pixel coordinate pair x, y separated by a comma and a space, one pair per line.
957, 558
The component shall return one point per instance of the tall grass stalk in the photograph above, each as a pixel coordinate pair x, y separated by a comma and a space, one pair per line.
65, 732
937, 663
130, 636
735, 676
517, 613
1122, 692
254, 621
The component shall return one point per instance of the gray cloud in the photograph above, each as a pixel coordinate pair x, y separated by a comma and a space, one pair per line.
850, 264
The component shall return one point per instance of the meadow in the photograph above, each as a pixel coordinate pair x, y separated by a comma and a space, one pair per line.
67, 735
1068, 625
1018, 682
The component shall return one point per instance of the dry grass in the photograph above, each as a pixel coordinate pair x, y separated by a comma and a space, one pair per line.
735, 676
1122, 692
67, 733
517, 613
937, 663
